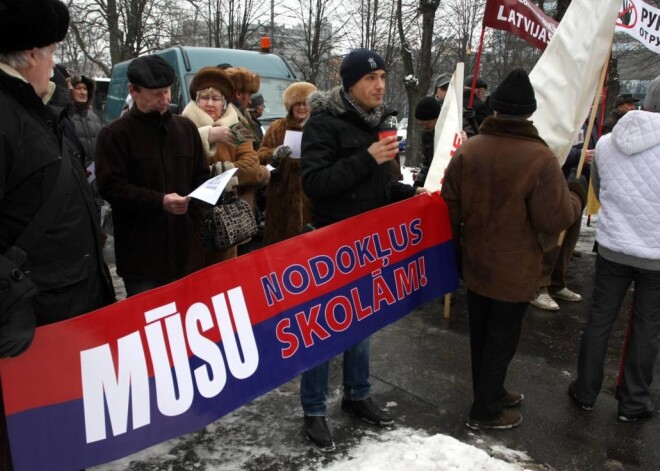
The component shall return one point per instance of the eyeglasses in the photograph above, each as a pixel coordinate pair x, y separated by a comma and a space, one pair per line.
214, 98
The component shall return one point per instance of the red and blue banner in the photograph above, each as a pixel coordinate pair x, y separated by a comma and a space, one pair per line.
170, 361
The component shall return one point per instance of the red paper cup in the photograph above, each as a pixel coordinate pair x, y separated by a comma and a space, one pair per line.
389, 133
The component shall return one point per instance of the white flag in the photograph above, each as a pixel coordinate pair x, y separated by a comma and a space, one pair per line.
566, 76
447, 131
641, 21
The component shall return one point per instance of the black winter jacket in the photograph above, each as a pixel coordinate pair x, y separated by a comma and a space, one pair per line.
338, 174
66, 266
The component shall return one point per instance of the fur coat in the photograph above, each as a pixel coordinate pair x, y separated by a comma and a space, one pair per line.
287, 207
250, 174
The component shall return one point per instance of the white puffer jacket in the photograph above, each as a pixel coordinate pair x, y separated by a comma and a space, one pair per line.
627, 182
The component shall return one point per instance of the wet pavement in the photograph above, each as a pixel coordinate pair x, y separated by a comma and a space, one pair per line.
420, 369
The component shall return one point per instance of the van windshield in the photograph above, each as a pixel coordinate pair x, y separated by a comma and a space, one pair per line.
272, 89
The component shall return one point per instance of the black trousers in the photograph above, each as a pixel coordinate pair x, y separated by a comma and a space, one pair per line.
494, 334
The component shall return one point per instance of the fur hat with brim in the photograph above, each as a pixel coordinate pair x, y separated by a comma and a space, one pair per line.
297, 92
214, 77
515, 95
243, 79
25, 24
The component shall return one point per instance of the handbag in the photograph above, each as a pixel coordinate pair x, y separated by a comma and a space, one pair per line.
228, 223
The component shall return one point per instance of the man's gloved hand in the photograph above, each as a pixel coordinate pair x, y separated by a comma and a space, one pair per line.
578, 186
279, 153
17, 330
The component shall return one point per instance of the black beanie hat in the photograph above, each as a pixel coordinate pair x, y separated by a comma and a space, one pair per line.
25, 24
150, 72
427, 108
515, 95
357, 64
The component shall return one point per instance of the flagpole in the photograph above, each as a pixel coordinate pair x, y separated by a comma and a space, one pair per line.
476, 66
592, 115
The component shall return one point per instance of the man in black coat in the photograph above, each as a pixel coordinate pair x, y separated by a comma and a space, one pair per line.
147, 162
426, 114
622, 104
346, 170
479, 106
54, 271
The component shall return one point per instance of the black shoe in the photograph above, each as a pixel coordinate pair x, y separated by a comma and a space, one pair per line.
585, 406
647, 414
318, 432
367, 410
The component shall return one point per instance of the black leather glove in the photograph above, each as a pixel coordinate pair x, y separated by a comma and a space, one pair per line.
17, 331
578, 186
279, 153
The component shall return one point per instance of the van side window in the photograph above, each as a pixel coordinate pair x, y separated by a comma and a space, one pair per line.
177, 96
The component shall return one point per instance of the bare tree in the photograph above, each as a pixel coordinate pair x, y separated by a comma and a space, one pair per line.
127, 27
417, 63
314, 39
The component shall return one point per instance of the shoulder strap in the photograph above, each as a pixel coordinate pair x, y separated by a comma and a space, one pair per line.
43, 218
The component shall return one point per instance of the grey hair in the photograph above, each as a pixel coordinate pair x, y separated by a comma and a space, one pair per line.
19, 59
652, 99
15, 60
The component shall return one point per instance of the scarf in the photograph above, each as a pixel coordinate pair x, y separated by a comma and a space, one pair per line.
371, 118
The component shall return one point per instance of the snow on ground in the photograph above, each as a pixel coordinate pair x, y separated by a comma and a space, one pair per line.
402, 449
406, 449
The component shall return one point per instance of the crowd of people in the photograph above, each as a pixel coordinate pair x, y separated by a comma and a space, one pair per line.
515, 212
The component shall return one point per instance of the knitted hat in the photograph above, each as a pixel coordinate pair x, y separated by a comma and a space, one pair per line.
357, 64
243, 79
481, 83
150, 72
297, 92
427, 108
442, 80
652, 99
211, 77
625, 98
515, 95
25, 24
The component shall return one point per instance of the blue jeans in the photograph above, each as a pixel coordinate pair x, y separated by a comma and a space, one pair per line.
610, 288
314, 382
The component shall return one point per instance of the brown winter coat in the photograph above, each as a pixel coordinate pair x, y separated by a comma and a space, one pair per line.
505, 188
287, 207
250, 174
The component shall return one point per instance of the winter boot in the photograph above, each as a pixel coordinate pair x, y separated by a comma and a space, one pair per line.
318, 433
367, 410
508, 419
512, 399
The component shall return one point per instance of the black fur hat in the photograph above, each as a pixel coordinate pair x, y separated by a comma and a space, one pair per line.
25, 24
515, 95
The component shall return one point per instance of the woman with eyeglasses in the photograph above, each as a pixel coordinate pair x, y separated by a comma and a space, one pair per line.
287, 207
224, 140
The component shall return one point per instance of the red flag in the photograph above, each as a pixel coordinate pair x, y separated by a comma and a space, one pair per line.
522, 18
